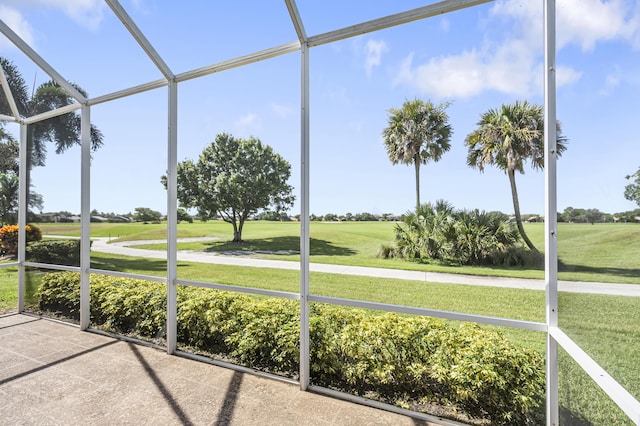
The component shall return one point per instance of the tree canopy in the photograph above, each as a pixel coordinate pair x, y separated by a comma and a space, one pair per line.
417, 133
632, 191
63, 130
507, 138
233, 179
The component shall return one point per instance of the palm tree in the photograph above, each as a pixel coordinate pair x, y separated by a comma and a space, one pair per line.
507, 138
63, 130
417, 133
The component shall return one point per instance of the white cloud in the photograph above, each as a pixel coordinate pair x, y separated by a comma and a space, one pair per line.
18, 24
247, 124
373, 52
445, 25
87, 13
611, 82
566, 76
580, 22
586, 22
512, 63
281, 111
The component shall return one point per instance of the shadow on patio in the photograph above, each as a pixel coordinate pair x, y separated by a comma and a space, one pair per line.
54, 374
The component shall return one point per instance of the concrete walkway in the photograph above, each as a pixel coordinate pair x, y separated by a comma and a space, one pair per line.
54, 374
127, 248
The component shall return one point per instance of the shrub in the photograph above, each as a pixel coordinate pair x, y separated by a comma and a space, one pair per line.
413, 360
57, 252
439, 232
9, 237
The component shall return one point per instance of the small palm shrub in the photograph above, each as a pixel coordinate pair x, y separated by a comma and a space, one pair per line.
439, 232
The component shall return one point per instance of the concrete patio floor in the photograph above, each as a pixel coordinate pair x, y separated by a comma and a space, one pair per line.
54, 374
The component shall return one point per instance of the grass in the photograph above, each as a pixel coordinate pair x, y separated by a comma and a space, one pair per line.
601, 252
607, 327
8, 289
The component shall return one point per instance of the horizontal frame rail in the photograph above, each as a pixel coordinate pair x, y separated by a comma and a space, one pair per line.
8, 265
458, 316
240, 289
127, 275
381, 405
52, 266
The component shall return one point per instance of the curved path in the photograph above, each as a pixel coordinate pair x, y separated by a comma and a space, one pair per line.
127, 248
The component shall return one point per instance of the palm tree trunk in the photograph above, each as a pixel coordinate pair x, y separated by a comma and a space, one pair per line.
516, 209
416, 162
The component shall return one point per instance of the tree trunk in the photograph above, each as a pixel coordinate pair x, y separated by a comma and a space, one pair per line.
416, 162
516, 209
237, 234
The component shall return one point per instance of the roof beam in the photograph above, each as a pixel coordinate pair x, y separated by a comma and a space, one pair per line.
10, 99
297, 20
8, 118
128, 92
140, 38
27, 50
240, 61
428, 11
53, 113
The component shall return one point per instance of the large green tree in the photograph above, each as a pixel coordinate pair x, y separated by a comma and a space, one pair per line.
233, 179
63, 130
507, 138
417, 133
632, 191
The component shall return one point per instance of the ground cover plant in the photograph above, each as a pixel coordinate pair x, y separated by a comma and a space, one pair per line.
396, 358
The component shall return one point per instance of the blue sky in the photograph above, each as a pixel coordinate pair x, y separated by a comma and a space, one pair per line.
477, 59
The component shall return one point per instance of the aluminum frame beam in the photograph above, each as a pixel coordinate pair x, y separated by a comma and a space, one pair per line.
292, 7
23, 195
394, 20
152, 85
27, 50
305, 245
85, 217
172, 218
240, 61
139, 36
551, 209
608, 384
53, 113
10, 99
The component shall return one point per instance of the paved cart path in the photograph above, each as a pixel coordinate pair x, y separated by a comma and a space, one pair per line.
127, 248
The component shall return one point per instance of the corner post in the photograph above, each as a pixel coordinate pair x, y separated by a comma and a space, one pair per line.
85, 217
551, 211
172, 219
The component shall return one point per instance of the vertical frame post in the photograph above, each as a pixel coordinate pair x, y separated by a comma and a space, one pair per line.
85, 217
172, 219
23, 206
304, 221
551, 211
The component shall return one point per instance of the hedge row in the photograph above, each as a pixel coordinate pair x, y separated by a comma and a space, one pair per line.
57, 252
410, 360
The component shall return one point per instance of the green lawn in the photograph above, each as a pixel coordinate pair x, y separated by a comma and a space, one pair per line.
8, 289
601, 252
607, 327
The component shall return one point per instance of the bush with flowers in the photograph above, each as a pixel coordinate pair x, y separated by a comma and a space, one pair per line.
9, 237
